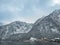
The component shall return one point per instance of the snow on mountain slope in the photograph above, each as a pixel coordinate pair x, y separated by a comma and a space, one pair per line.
48, 26
15, 28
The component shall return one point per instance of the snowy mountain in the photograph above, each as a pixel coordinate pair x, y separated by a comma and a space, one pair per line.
15, 30
48, 26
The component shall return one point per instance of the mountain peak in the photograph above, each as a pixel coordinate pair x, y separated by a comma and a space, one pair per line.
16, 22
16, 28
57, 11
48, 26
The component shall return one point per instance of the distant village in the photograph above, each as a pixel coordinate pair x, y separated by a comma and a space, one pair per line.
43, 40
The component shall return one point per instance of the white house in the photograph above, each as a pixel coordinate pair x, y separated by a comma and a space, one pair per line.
33, 39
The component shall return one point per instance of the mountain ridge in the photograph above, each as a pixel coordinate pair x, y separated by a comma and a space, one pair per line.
14, 28
48, 26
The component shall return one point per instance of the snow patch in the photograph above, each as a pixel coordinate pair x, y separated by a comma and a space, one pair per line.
32, 39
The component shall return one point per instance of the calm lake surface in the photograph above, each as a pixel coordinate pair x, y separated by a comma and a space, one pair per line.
28, 43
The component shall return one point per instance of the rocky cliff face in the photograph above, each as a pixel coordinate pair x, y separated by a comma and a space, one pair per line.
48, 26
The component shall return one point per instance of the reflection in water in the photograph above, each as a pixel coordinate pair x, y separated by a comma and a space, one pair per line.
28, 43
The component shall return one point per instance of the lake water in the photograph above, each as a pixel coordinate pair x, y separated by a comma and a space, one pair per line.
28, 43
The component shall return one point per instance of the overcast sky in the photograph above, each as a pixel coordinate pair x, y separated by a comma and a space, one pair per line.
26, 10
